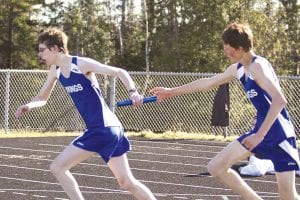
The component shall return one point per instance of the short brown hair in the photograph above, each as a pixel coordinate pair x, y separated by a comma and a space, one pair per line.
53, 36
238, 35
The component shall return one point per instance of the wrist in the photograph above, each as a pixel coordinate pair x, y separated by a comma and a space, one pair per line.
30, 105
262, 136
131, 91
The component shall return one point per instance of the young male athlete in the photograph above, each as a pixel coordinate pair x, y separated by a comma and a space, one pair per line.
104, 133
273, 136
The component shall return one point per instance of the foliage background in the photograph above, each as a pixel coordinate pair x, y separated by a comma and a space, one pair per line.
181, 35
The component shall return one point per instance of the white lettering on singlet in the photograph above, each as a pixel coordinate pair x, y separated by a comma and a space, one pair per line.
74, 88
251, 93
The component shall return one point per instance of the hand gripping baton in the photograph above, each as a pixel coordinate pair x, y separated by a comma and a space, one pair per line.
128, 102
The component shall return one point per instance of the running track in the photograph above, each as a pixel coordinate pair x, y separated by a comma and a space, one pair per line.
173, 170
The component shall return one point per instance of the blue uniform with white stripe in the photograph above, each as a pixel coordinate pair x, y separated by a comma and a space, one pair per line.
104, 133
279, 144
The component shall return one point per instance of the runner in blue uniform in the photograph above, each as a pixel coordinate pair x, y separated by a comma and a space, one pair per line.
272, 138
104, 133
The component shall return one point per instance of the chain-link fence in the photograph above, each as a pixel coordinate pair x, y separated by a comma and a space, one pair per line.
187, 113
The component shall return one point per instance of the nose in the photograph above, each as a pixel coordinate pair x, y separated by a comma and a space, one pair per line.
224, 49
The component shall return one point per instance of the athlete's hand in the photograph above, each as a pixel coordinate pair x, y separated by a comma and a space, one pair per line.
162, 93
136, 99
252, 141
22, 109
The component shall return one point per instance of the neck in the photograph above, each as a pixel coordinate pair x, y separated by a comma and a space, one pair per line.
247, 59
63, 60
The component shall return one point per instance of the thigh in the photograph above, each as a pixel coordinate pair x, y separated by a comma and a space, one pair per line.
71, 156
286, 182
231, 154
120, 167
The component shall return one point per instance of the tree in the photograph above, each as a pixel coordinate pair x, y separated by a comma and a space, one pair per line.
186, 35
129, 37
89, 34
17, 35
292, 18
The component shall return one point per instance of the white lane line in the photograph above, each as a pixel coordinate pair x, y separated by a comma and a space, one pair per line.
138, 169
174, 148
132, 168
132, 152
39, 196
19, 193
225, 198
108, 177
219, 144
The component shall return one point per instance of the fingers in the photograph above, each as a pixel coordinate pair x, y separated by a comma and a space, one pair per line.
21, 110
18, 113
136, 99
251, 142
160, 93
156, 90
246, 144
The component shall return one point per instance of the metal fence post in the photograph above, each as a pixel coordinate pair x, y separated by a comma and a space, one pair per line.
6, 104
112, 93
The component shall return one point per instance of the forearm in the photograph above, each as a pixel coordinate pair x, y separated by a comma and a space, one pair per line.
195, 86
126, 80
29, 106
36, 103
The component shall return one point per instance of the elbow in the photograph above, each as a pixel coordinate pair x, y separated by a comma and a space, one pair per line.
121, 72
282, 102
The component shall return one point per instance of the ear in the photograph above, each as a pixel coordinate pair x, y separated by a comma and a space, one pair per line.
55, 48
240, 49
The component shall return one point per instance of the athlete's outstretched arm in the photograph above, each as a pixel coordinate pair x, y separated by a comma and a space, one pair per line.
41, 98
88, 65
197, 85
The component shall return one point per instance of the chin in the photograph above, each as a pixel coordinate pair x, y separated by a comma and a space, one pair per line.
232, 60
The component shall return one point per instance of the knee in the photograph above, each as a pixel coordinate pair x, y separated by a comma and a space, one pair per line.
127, 183
214, 168
56, 168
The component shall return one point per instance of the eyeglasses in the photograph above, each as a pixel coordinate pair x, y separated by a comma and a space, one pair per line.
41, 50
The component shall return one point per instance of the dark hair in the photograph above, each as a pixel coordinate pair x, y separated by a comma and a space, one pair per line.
238, 35
53, 36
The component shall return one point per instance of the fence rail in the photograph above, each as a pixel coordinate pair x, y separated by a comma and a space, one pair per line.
187, 113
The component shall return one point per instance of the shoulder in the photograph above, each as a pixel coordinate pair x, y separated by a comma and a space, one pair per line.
83, 61
228, 75
232, 70
262, 69
261, 65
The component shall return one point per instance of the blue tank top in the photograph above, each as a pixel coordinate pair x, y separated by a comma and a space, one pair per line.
87, 97
282, 127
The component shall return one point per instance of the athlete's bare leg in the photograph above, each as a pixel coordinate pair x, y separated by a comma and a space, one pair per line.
67, 159
120, 168
220, 167
286, 185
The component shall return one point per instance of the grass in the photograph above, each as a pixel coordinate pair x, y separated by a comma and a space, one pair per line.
24, 133
180, 135
143, 134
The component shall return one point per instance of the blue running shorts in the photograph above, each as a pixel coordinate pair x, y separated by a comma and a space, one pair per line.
107, 142
284, 155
